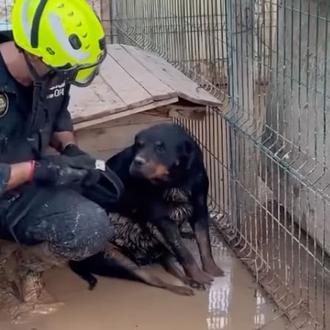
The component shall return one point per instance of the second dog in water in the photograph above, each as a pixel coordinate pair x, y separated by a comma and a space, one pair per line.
166, 185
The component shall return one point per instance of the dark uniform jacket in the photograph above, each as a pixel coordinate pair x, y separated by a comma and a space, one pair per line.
17, 142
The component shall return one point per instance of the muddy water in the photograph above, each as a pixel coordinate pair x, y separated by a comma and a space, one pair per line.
233, 302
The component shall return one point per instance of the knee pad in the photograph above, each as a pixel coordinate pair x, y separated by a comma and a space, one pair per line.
86, 230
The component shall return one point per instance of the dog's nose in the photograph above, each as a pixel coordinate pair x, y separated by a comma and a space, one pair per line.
139, 161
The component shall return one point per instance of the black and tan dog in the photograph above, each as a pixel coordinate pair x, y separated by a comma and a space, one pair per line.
166, 184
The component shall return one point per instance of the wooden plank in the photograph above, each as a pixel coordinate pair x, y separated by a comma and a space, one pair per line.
155, 87
192, 113
176, 80
134, 119
105, 139
130, 91
129, 112
94, 100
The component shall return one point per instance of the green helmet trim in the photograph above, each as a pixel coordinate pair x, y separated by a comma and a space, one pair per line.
36, 23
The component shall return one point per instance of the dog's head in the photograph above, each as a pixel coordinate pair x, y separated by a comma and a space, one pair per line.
162, 153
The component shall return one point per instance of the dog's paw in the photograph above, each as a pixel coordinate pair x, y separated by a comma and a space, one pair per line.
212, 269
184, 291
92, 284
196, 285
202, 278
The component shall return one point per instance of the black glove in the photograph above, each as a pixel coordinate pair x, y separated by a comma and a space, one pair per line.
57, 171
72, 150
78, 158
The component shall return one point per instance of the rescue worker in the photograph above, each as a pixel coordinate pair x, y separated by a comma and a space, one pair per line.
53, 44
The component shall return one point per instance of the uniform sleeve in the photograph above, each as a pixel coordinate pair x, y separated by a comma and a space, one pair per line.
4, 177
6, 97
63, 122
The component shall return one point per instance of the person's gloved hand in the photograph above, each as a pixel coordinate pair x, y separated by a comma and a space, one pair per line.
72, 150
57, 171
78, 158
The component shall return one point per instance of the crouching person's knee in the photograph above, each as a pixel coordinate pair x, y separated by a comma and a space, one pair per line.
86, 232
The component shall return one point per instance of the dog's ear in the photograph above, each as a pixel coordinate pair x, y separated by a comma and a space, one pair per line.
121, 160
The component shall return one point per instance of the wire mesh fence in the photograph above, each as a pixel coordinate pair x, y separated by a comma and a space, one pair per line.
267, 148
5, 9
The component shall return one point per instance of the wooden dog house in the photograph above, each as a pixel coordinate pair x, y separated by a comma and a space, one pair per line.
135, 89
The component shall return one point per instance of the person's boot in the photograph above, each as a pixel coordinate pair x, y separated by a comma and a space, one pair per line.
32, 262
9, 282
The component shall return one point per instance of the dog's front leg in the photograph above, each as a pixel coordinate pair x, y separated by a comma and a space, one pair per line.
171, 233
200, 224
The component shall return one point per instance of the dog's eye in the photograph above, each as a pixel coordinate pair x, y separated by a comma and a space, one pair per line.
159, 147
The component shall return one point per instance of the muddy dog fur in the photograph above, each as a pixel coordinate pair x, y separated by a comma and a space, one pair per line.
166, 187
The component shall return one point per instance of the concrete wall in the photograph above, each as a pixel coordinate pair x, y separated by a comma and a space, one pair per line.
298, 109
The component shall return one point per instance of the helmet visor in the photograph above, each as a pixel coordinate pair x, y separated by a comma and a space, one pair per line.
81, 75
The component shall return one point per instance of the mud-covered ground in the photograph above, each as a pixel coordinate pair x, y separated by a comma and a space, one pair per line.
233, 302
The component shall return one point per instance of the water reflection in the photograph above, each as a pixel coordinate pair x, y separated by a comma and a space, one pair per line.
232, 303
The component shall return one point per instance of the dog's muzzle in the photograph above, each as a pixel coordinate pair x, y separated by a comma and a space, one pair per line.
149, 170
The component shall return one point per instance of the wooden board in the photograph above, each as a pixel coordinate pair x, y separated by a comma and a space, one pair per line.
124, 84
132, 81
95, 101
150, 82
169, 75
113, 116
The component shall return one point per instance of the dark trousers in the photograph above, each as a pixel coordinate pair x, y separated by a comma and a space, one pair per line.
74, 226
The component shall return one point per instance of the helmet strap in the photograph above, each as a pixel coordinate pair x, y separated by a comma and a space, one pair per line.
36, 76
40, 88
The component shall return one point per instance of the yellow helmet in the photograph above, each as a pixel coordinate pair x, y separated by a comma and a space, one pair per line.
67, 35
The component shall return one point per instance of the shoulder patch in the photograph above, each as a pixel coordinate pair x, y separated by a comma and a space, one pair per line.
4, 104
